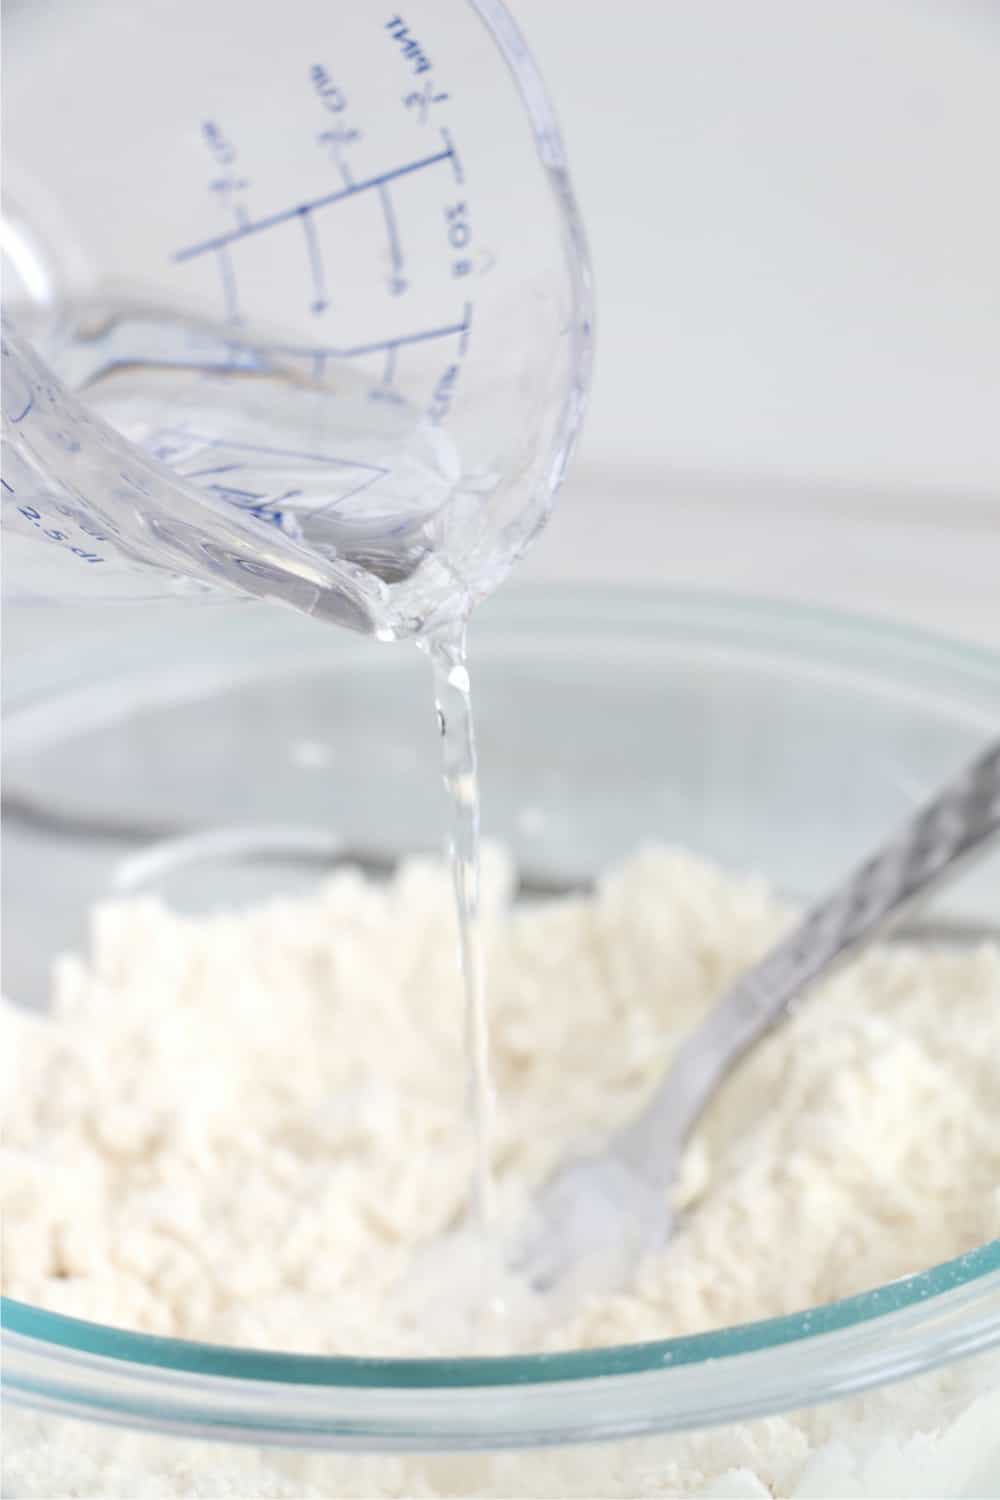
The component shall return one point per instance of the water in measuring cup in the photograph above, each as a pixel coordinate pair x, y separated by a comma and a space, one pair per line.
263, 474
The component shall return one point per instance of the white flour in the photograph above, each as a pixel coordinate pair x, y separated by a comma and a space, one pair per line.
239, 1129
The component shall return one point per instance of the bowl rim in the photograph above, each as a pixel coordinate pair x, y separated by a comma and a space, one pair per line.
437, 1373
912, 1324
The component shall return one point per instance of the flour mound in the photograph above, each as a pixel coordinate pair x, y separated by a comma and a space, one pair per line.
246, 1128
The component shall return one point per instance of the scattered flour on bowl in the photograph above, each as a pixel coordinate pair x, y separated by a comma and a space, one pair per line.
241, 1129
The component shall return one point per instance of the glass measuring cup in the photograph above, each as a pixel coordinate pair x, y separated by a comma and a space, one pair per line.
297, 303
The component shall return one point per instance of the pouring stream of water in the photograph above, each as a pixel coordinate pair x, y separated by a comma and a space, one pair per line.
452, 696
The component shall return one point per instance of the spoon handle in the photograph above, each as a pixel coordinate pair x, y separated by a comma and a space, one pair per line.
950, 828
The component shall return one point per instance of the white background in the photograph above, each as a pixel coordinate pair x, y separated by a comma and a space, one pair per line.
794, 215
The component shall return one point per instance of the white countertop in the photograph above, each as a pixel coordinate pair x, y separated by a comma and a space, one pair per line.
910, 558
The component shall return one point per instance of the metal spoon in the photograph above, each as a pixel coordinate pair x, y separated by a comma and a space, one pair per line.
602, 1211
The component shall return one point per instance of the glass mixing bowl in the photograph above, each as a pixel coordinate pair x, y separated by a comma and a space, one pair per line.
770, 739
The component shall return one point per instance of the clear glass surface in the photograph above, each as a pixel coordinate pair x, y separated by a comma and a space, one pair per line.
308, 301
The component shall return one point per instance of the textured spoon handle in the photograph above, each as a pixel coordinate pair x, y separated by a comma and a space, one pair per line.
946, 830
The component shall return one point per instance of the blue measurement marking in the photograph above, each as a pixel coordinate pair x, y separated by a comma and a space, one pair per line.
28, 404
222, 442
389, 372
204, 473
8, 487
319, 364
320, 300
463, 343
231, 492
256, 226
355, 350
456, 162
371, 473
391, 228
229, 291
275, 453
